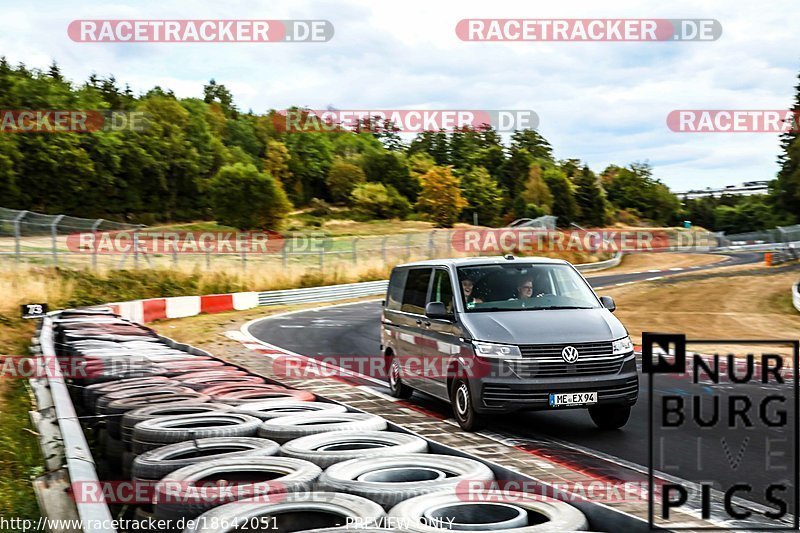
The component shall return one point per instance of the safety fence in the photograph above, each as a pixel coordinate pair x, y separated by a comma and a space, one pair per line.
33, 238
27, 237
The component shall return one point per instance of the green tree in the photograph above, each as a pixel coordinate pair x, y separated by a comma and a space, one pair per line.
342, 178
247, 199
590, 198
536, 190
483, 195
785, 189
276, 162
635, 189
390, 168
532, 142
564, 205
440, 198
376, 200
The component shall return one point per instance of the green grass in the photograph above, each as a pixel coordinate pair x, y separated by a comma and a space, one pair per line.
20, 456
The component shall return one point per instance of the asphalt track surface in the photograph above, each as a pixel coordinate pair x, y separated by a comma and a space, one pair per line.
353, 330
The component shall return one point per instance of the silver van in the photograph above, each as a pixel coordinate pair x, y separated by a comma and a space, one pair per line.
498, 335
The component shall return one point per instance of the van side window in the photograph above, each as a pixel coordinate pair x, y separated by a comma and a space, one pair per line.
394, 296
416, 291
442, 289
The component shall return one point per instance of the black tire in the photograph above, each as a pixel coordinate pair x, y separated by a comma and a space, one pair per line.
176, 496
96, 390
463, 408
131, 418
390, 480
326, 449
170, 429
160, 462
286, 428
609, 417
554, 515
396, 386
117, 409
295, 511
103, 401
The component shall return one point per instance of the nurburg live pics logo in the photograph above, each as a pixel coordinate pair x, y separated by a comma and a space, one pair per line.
708, 412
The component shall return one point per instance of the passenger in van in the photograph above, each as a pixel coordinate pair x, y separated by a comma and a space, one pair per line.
467, 286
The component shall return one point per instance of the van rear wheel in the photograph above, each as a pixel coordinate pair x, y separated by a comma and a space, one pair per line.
396, 385
610, 416
461, 400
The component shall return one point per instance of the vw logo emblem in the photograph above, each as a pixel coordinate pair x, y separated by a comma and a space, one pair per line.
569, 354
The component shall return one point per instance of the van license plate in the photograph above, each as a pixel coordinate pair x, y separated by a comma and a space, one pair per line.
572, 398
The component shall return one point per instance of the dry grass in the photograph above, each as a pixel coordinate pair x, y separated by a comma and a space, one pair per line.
732, 306
641, 262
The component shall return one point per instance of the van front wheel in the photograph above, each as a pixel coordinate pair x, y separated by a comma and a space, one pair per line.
461, 400
610, 416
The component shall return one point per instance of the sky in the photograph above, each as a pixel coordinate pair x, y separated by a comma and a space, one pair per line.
601, 102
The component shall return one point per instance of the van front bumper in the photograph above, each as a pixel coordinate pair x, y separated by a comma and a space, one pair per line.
509, 394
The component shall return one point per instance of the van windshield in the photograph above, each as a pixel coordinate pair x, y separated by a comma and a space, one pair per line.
522, 286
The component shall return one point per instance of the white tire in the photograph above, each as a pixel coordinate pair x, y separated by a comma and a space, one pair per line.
292, 512
390, 480
286, 428
432, 513
326, 449
268, 409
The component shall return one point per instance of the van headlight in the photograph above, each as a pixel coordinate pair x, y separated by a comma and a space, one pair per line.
496, 351
622, 346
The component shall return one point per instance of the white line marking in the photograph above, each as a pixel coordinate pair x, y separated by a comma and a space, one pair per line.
655, 278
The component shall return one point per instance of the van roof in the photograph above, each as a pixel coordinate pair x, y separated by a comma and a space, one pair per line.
474, 261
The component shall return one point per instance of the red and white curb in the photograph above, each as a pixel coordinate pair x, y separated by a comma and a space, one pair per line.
151, 309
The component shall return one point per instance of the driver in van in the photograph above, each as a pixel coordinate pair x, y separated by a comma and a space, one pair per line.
525, 290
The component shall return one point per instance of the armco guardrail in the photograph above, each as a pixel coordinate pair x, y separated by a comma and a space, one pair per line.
796, 295
95, 516
322, 294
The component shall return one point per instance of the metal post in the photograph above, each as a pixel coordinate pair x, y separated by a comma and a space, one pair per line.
94, 240
322, 256
18, 234
355, 250
431, 244
136, 248
244, 259
54, 237
285, 253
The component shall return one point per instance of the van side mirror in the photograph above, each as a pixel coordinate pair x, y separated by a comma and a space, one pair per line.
438, 310
608, 303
